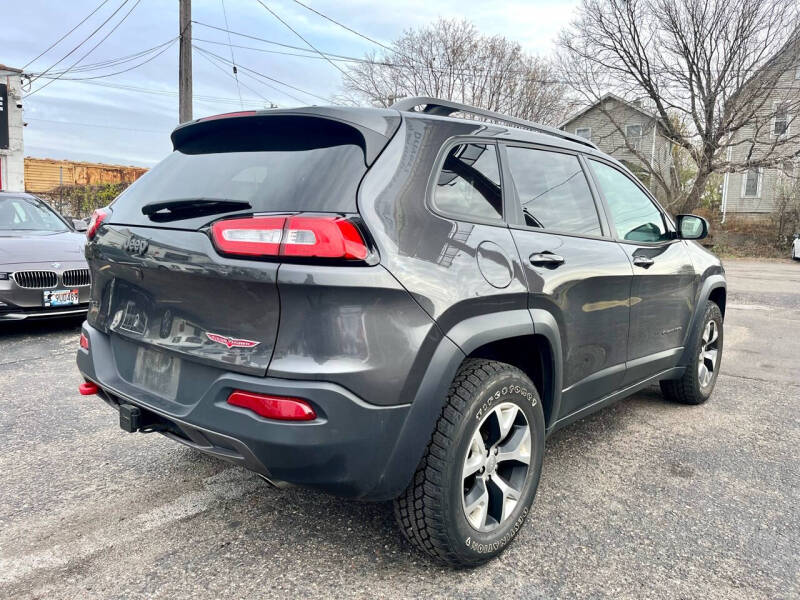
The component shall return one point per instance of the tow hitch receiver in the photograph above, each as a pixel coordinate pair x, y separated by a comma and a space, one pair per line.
130, 417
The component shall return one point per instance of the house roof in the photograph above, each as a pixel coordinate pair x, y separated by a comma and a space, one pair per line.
12, 69
610, 96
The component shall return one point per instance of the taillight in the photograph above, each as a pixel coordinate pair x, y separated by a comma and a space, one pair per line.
298, 235
98, 216
273, 407
84, 341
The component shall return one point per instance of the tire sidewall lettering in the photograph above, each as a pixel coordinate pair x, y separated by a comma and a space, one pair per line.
492, 399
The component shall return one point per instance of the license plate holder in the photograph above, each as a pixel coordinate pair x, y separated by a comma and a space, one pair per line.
157, 372
55, 298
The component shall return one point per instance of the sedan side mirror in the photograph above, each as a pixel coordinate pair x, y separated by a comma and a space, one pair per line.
79, 224
692, 227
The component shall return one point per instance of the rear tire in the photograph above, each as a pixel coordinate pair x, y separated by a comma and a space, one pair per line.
697, 383
476, 481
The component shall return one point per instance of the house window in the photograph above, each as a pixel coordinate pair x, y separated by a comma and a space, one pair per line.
780, 122
751, 183
584, 132
633, 135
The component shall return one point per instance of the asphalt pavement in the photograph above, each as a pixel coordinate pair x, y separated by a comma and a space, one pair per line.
645, 499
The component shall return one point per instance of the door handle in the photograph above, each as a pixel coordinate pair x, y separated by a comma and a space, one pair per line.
643, 261
546, 259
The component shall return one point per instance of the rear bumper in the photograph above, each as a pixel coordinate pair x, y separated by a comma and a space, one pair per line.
345, 451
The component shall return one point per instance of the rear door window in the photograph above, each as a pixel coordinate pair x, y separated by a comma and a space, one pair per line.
468, 185
553, 191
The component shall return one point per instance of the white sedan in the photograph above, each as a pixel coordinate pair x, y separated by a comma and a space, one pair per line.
796, 247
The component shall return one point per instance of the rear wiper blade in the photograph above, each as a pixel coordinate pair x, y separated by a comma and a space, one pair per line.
184, 208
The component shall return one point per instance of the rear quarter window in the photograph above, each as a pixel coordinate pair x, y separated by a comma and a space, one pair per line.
468, 183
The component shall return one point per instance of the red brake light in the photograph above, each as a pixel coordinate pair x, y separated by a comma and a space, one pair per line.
84, 341
308, 236
273, 407
98, 216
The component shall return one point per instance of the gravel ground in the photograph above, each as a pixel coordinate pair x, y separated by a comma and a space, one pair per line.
643, 499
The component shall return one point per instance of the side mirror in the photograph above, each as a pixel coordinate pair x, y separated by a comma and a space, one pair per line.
79, 224
692, 227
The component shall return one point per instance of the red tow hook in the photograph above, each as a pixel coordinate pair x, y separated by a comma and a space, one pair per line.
88, 388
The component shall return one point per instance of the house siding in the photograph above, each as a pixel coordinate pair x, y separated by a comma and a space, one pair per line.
605, 135
773, 179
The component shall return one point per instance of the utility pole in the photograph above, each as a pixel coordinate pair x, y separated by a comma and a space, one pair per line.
185, 62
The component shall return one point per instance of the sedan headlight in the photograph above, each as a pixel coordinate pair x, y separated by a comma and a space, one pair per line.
5, 276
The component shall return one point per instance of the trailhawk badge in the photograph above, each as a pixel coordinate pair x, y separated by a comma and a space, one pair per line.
231, 342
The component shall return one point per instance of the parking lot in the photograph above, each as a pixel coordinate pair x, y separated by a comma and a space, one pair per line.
643, 499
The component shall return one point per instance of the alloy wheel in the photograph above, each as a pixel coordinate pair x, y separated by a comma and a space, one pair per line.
709, 354
496, 467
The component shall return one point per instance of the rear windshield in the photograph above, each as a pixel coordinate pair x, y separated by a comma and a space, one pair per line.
312, 179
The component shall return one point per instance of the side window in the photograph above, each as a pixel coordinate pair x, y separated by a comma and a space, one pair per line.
469, 183
635, 216
553, 191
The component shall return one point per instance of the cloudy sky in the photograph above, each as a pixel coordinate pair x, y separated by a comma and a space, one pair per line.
126, 117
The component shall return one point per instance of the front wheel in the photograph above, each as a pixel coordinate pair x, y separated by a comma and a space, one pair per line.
476, 481
697, 383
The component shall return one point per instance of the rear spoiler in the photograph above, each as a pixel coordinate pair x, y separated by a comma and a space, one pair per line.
370, 128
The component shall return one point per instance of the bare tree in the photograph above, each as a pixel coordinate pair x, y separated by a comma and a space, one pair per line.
724, 67
453, 61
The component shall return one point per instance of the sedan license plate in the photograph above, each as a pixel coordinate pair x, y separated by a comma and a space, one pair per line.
53, 298
157, 372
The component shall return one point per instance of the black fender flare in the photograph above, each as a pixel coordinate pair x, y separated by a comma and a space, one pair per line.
711, 283
431, 395
462, 339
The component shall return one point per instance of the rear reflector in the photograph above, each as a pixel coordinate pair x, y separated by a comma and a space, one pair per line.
88, 388
273, 407
84, 341
299, 235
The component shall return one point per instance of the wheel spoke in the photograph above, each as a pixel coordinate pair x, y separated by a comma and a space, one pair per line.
506, 415
510, 495
713, 332
711, 357
476, 504
703, 374
517, 447
476, 455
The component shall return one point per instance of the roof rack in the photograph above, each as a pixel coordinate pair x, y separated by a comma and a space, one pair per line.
435, 106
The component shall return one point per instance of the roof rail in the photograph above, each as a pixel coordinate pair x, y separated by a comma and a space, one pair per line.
435, 106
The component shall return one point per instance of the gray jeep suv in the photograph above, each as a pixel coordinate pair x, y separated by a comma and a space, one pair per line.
393, 304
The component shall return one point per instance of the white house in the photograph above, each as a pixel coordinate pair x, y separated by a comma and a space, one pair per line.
12, 161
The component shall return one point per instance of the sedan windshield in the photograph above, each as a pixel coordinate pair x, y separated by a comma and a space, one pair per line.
28, 214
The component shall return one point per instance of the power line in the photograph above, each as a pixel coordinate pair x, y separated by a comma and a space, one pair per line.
59, 40
93, 48
278, 81
97, 125
233, 59
157, 92
86, 39
112, 62
252, 77
282, 53
216, 66
136, 66
309, 44
350, 29
266, 41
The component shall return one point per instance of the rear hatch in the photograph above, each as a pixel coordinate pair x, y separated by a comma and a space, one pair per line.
162, 288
